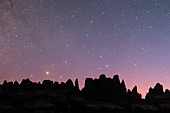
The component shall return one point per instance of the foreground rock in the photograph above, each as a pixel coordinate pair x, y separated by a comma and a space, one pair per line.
99, 95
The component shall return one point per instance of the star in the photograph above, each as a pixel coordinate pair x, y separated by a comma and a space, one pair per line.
100, 56
87, 35
106, 65
47, 73
67, 45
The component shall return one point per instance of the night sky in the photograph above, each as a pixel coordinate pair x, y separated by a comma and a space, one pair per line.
69, 39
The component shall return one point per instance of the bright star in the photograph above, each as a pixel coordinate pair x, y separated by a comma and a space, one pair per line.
47, 73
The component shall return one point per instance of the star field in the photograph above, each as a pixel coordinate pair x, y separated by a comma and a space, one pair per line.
62, 39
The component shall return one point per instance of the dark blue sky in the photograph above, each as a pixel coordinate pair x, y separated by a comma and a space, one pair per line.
85, 38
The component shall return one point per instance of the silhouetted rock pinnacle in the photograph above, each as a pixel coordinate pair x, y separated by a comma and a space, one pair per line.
69, 82
133, 96
166, 91
26, 82
158, 89
47, 83
77, 84
56, 84
116, 80
156, 95
123, 87
134, 90
88, 82
4, 83
16, 83
102, 77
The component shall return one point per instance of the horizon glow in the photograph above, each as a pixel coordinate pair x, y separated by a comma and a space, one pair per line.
85, 38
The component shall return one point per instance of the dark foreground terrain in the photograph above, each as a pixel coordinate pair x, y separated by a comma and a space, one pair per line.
103, 95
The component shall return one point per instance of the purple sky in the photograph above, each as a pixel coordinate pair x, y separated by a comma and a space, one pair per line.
85, 38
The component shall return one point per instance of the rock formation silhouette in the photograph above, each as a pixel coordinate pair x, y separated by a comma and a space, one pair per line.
109, 89
156, 95
98, 95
